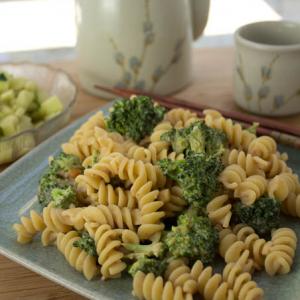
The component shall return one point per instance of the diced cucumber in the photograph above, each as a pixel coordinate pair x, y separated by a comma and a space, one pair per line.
24, 99
34, 106
7, 95
9, 125
4, 86
51, 107
24, 123
31, 86
18, 83
20, 111
41, 96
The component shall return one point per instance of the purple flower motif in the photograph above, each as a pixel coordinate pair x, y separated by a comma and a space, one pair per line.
248, 92
149, 38
140, 85
179, 44
126, 78
134, 63
119, 58
264, 91
265, 72
278, 101
148, 26
120, 85
158, 72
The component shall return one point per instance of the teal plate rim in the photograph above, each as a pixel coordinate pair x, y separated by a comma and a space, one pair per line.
18, 185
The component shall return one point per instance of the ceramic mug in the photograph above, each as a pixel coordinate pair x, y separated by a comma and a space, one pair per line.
267, 68
139, 44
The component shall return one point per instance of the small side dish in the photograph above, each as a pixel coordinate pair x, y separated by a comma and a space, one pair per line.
31, 98
160, 194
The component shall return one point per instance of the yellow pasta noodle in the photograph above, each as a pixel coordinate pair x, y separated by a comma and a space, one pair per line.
29, 227
251, 164
76, 257
219, 210
237, 137
252, 188
180, 117
154, 288
263, 146
232, 176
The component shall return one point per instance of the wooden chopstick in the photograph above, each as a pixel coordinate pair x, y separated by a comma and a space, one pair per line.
283, 136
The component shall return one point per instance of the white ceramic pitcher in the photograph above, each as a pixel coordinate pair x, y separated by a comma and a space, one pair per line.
140, 44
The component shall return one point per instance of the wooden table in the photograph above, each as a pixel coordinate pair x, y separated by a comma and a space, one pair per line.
212, 84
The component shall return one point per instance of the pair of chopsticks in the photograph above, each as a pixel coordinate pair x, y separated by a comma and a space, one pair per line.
282, 133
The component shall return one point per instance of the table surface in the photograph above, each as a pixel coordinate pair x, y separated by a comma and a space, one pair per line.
212, 84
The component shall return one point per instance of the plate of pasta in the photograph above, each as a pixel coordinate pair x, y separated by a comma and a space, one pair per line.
140, 202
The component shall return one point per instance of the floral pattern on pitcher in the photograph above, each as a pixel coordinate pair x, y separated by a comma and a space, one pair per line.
131, 67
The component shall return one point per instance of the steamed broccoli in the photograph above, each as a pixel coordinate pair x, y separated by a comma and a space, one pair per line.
60, 175
148, 265
63, 197
65, 165
86, 243
194, 237
198, 138
156, 249
253, 127
135, 118
197, 175
263, 215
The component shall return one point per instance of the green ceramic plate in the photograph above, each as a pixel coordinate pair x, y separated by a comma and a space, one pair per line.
18, 186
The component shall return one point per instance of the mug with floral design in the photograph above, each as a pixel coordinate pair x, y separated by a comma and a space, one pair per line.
267, 68
138, 44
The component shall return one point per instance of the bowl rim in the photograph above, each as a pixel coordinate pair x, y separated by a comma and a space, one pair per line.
239, 39
65, 110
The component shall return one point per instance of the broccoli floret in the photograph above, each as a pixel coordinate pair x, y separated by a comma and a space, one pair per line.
253, 128
3, 77
86, 243
60, 175
65, 165
194, 237
156, 249
263, 215
135, 118
198, 138
63, 197
47, 183
197, 175
148, 265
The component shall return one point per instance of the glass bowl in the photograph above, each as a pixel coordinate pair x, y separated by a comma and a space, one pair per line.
53, 82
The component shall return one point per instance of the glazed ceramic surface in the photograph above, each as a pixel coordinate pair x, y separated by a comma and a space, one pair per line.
267, 68
140, 44
18, 186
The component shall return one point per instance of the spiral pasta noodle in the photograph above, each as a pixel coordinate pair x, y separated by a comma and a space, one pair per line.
219, 210
108, 247
282, 185
291, 205
282, 251
54, 220
232, 176
76, 257
147, 286
274, 166
180, 117
29, 227
159, 130
173, 201
116, 217
80, 142
251, 164
237, 137
251, 189
263, 146
151, 225
241, 283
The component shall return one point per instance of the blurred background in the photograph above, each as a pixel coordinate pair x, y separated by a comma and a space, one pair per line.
44, 30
